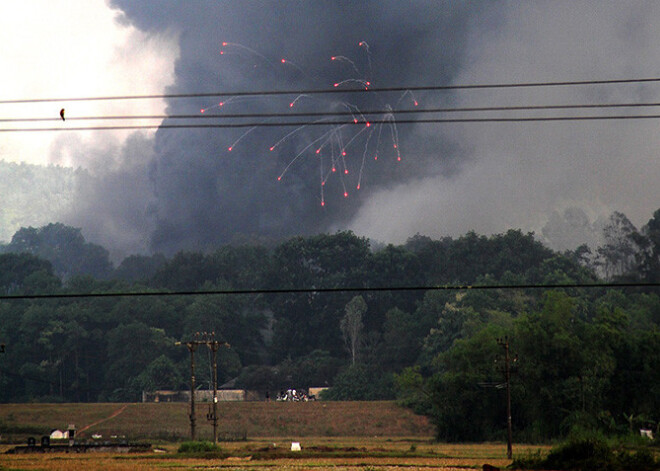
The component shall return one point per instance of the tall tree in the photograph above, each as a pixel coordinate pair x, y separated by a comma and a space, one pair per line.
65, 247
649, 240
617, 254
304, 323
27, 274
351, 325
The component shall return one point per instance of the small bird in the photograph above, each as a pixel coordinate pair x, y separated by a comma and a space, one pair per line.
62, 114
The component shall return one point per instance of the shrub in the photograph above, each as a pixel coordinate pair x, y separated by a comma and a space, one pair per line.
197, 447
587, 453
642, 460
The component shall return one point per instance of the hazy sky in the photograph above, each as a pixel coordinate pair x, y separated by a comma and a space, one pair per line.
182, 189
75, 48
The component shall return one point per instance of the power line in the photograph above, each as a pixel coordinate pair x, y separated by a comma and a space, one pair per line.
275, 291
341, 113
335, 90
335, 123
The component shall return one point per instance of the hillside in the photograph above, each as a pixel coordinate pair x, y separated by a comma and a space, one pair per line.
236, 419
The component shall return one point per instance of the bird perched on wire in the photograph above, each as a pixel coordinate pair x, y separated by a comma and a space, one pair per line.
62, 114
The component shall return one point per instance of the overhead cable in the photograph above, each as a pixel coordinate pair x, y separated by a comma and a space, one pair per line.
334, 90
207, 116
334, 123
275, 291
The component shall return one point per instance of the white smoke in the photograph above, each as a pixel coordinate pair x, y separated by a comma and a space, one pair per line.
75, 48
524, 175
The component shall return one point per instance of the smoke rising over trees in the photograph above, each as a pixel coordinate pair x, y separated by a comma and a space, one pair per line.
579, 349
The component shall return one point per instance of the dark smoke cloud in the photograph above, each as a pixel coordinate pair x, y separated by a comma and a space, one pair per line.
114, 202
182, 189
204, 195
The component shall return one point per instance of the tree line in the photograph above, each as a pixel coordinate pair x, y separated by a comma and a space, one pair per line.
583, 357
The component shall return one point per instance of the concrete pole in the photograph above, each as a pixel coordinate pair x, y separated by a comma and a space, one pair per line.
507, 381
509, 446
214, 348
192, 346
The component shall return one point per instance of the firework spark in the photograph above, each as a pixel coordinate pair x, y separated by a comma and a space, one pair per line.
340, 149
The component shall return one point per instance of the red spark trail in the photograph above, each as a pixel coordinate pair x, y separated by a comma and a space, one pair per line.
335, 146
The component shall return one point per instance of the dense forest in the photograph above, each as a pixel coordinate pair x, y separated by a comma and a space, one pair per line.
581, 357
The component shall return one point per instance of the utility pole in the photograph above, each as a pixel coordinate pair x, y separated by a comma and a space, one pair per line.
192, 346
209, 340
2, 348
214, 345
507, 378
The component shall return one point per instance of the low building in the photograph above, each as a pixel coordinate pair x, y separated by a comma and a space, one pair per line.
201, 395
165, 396
206, 395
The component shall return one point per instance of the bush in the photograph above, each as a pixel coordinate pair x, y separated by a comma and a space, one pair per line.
642, 460
197, 447
589, 453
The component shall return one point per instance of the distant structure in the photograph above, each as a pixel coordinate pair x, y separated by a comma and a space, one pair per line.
206, 395
202, 395
74, 446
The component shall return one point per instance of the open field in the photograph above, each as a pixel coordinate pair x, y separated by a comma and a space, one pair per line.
170, 422
322, 453
333, 435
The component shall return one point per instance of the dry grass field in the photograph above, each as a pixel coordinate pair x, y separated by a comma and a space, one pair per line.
337, 454
333, 435
169, 421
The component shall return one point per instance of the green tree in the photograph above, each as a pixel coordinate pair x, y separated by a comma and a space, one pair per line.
617, 254
186, 271
243, 266
131, 348
307, 322
649, 243
161, 373
316, 369
453, 396
392, 266
361, 382
402, 340
139, 267
232, 319
65, 247
26, 274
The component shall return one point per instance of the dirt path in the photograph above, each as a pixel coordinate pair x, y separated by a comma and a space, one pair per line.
111, 416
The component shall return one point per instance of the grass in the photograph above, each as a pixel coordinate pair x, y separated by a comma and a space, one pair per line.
338, 436
318, 453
